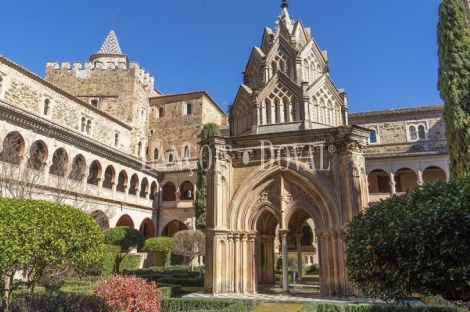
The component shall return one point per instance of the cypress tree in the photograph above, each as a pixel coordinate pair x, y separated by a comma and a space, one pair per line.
209, 130
454, 82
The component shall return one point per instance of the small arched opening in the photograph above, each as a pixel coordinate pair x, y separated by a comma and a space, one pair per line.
134, 185
13, 148
37, 155
144, 188
122, 181
60, 161
94, 173
109, 177
78, 168
187, 191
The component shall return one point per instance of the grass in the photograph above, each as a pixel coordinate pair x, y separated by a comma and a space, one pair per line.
278, 307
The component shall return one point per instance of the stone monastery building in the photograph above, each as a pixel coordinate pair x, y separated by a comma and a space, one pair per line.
290, 170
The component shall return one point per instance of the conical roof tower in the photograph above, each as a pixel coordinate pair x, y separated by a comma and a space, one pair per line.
110, 51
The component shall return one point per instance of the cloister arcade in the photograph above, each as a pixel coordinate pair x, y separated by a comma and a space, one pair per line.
385, 180
72, 172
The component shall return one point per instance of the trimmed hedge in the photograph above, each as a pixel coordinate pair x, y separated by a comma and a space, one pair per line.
185, 282
180, 305
129, 263
47, 302
324, 307
170, 291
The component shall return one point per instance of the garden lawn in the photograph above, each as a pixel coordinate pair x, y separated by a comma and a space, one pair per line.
278, 307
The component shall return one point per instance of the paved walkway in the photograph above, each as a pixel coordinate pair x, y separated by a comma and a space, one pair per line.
292, 297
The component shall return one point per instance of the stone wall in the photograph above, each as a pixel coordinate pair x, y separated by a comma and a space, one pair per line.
177, 129
391, 129
29, 92
121, 92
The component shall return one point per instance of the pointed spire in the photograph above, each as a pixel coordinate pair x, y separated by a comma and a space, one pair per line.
284, 4
110, 45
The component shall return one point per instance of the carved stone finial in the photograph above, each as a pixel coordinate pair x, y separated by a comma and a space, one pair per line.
284, 4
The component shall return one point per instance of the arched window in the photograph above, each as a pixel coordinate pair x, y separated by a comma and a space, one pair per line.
116, 139
421, 132
46, 107
170, 158
161, 112
373, 137
83, 125
139, 149
186, 151
88, 127
412, 131
1, 84
189, 109
285, 106
155, 153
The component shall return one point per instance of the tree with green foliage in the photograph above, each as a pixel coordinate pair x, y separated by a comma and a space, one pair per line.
209, 130
161, 249
189, 243
125, 237
39, 236
414, 243
454, 82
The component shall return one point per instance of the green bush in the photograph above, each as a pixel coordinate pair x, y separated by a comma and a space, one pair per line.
111, 253
170, 291
416, 242
161, 249
311, 269
61, 302
185, 282
177, 305
326, 307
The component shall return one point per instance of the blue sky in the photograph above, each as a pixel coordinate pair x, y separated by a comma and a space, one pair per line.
383, 53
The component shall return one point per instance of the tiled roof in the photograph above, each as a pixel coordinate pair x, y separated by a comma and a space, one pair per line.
398, 111
435, 151
110, 45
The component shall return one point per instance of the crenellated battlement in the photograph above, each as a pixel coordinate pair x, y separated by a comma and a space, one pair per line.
84, 69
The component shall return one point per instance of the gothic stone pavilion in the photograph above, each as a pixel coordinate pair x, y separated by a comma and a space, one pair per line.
314, 169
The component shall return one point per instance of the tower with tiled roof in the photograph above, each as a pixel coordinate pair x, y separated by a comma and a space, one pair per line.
111, 83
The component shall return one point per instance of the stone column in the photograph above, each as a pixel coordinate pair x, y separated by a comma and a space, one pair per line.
392, 183
420, 178
298, 241
285, 265
236, 262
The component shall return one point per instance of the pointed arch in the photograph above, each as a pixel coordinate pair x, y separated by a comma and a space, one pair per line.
147, 228
169, 192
